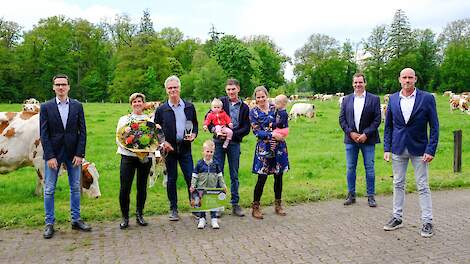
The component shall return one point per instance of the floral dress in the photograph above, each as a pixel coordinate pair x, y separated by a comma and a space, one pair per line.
262, 124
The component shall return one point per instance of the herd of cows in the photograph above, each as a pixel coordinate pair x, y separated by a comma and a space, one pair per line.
20, 144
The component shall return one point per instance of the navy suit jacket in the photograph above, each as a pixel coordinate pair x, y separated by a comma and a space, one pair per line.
370, 118
165, 117
414, 134
54, 138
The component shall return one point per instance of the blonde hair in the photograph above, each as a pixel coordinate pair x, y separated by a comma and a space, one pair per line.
216, 102
208, 144
136, 95
281, 99
260, 89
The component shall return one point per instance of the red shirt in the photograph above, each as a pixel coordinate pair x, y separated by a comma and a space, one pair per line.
221, 119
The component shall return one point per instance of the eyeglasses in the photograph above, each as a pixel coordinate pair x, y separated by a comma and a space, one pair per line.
61, 84
172, 87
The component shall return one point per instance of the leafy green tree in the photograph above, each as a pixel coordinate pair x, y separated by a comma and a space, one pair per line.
146, 24
400, 35
377, 55
426, 58
172, 35
184, 53
454, 72
133, 68
122, 31
235, 59
268, 61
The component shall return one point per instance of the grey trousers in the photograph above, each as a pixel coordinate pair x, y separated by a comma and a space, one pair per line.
399, 166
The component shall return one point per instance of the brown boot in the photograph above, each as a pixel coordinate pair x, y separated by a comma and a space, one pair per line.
278, 207
256, 210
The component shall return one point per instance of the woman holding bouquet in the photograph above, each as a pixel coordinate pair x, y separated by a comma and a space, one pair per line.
130, 162
262, 118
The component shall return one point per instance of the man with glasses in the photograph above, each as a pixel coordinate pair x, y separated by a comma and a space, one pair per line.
63, 139
179, 125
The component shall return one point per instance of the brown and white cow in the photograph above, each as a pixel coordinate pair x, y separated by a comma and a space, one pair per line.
20, 146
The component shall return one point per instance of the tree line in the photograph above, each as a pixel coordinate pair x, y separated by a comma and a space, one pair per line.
107, 61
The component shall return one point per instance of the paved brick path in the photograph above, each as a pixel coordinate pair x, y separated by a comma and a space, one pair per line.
323, 232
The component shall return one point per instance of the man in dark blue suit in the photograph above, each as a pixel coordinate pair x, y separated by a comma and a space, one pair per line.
179, 125
360, 118
409, 113
63, 138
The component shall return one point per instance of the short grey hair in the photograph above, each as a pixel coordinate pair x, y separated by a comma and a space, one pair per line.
173, 78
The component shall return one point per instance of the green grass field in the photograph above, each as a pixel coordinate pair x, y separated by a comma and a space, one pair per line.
316, 154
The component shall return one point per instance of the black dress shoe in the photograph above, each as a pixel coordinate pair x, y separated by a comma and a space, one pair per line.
80, 225
139, 219
350, 199
371, 201
124, 223
49, 231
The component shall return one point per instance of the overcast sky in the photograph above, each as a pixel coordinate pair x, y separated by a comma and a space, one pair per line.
289, 23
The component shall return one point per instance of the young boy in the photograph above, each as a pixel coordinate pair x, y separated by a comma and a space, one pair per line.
207, 174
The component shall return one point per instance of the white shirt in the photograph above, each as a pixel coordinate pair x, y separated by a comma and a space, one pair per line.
406, 104
359, 101
122, 122
63, 110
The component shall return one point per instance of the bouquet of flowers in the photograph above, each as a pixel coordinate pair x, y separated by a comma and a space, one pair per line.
139, 137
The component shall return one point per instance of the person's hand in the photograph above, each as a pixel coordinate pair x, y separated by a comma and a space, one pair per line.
230, 125
167, 147
277, 136
427, 157
221, 136
354, 136
52, 163
225, 189
204, 127
362, 138
387, 156
77, 161
191, 189
190, 137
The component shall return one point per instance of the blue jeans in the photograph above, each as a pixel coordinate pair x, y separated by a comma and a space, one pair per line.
185, 160
368, 155
233, 155
50, 182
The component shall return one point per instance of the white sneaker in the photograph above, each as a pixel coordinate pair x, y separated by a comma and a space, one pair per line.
214, 223
201, 223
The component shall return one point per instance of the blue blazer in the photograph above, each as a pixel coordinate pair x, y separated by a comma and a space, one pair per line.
370, 118
414, 134
54, 138
165, 117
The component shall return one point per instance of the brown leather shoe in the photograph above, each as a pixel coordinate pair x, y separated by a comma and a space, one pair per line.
278, 207
256, 210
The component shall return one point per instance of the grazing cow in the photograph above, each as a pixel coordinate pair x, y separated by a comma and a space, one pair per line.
31, 105
20, 146
448, 93
339, 94
299, 109
150, 107
326, 97
383, 111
